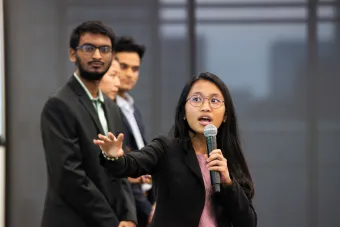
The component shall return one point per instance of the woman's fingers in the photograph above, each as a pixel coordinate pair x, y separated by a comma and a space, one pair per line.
214, 157
98, 142
216, 163
111, 136
120, 137
217, 168
104, 138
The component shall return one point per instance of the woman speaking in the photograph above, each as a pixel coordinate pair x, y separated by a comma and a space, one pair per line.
180, 164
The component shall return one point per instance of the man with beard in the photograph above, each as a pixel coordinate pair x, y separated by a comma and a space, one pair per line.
80, 192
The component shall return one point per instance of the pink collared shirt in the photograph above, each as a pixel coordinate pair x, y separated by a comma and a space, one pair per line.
208, 217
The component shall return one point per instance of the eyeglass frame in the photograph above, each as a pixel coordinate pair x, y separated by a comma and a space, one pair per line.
96, 47
204, 98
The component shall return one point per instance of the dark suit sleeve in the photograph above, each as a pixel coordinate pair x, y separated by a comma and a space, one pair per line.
238, 207
126, 204
64, 163
134, 164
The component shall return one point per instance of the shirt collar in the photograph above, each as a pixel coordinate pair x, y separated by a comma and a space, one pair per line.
100, 96
125, 103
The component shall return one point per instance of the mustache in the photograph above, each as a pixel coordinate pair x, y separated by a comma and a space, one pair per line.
91, 62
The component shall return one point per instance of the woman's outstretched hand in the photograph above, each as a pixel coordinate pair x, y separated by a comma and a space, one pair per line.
110, 145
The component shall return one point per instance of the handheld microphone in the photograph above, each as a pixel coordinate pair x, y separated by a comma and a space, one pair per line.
210, 132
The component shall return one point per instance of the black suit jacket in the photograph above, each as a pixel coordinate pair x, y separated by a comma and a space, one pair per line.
130, 140
180, 187
143, 205
80, 192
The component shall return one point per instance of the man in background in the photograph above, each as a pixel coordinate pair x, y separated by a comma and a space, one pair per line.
80, 192
129, 55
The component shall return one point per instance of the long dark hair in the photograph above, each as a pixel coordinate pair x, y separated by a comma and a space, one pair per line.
227, 137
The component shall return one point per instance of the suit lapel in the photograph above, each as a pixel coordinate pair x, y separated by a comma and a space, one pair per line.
127, 124
191, 161
140, 125
109, 118
86, 102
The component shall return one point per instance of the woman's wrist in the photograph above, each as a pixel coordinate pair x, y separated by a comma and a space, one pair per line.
108, 157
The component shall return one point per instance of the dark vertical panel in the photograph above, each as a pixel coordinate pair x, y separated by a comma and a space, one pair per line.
157, 93
328, 114
192, 35
7, 159
32, 74
311, 119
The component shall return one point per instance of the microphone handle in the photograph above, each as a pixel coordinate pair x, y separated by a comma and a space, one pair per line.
214, 175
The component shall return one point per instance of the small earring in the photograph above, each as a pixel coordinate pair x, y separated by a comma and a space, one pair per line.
225, 119
183, 118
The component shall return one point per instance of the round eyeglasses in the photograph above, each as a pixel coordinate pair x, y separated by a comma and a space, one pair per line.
198, 100
90, 49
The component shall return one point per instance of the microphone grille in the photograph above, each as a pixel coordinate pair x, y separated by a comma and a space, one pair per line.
210, 130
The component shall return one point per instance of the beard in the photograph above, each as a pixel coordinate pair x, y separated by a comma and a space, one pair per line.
91, 76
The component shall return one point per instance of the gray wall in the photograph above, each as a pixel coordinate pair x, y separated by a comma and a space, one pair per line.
264, 62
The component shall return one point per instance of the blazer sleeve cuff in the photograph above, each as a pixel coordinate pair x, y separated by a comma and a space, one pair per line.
234, 194
238, 206
112, 165
130, 216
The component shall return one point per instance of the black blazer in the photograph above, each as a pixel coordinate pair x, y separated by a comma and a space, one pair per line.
80, 192
180, 187
143, 205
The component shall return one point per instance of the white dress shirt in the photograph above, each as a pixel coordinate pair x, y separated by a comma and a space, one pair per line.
126, 105
128, 110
